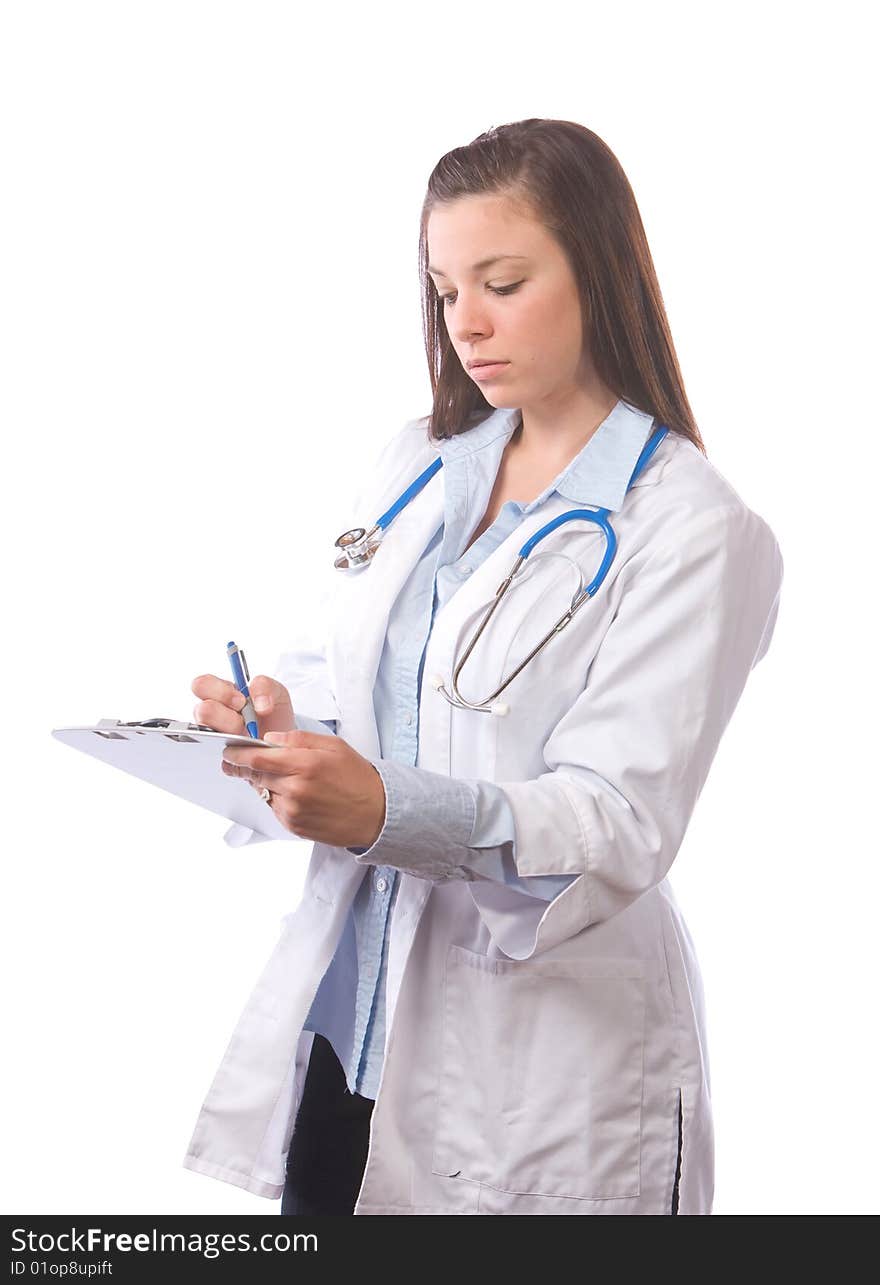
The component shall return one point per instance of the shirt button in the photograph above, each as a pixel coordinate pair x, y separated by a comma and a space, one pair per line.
465, 571
381, 884
407, 718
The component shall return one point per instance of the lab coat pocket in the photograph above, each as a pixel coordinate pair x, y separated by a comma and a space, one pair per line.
542, 1075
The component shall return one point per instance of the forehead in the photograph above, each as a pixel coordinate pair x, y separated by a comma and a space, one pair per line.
477, 232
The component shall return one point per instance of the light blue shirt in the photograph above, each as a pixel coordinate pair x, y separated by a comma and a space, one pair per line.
423, 808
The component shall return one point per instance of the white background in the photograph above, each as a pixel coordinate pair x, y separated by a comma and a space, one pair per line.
210, 327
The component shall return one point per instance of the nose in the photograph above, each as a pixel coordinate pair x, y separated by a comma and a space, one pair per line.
470, 321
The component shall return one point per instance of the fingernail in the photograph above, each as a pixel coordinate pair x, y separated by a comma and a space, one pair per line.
262, 704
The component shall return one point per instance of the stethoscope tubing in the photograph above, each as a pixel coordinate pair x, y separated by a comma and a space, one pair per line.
411, 491
600, 517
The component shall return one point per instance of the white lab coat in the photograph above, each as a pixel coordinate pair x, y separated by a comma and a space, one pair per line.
535, 1052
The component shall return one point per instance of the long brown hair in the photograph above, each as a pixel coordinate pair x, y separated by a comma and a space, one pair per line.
577, 189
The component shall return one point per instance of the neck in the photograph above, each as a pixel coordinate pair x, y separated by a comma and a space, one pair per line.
557, 430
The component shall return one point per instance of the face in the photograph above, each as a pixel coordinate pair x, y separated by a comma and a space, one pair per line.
523, 310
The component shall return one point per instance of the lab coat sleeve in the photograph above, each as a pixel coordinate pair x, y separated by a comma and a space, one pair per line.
429, 817
492, 839
628, 761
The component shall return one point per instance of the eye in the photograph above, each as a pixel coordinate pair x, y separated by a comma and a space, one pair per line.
495, 290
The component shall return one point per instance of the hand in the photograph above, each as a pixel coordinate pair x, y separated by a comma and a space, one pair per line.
322, 789
221, 704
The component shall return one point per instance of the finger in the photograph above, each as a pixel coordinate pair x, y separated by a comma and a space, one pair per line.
273, 781
208, 687
276, 766
245, 774
219, 717
272, 704
298, 749
253, 784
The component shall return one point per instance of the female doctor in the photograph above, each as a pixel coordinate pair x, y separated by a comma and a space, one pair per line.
487, 1000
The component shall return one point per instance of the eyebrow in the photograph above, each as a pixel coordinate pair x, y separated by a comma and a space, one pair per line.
484, 263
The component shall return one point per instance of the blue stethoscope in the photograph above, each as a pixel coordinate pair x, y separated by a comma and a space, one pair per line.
359, 547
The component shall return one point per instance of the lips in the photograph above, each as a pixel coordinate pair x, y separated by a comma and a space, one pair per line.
485, 361
487, 374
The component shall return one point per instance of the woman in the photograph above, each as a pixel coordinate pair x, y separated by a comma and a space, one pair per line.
487, 1000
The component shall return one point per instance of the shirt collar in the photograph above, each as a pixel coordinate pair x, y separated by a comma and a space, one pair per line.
600, 472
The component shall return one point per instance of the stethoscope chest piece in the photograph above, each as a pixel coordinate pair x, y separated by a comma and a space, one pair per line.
358, 548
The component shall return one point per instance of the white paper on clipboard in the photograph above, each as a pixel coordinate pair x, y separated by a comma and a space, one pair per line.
184, 759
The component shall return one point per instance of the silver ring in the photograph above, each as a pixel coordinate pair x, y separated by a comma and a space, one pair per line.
266, 795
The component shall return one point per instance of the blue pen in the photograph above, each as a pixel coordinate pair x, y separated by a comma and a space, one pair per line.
242, 678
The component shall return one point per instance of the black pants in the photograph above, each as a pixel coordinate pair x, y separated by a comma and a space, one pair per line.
678, 1162
331, 1139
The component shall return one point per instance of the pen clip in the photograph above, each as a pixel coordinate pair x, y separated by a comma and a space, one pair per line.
244, 666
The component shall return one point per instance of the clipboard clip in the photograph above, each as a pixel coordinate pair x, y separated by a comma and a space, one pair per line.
176, 728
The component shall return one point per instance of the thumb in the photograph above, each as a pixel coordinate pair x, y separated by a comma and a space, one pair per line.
308, 741
282, 738
272, 705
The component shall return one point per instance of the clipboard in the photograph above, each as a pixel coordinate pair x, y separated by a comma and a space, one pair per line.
183, 759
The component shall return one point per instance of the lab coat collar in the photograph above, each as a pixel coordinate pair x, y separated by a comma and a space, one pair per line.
600, 472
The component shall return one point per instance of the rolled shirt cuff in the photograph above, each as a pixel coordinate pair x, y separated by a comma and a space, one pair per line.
439, 827
429, 819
